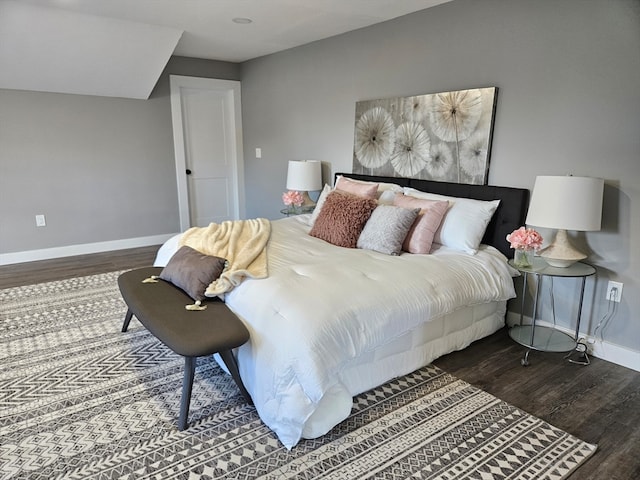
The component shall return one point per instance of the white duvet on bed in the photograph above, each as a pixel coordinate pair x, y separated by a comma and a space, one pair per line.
323, 306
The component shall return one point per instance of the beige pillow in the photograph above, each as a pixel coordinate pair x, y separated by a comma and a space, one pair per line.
342, 218
363, 189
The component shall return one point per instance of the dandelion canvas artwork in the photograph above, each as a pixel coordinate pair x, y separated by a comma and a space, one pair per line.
442, 136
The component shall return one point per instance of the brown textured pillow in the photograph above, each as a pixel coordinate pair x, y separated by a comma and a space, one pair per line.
342, 218
192, 271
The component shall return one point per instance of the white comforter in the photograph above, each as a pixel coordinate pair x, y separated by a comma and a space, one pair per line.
322, 305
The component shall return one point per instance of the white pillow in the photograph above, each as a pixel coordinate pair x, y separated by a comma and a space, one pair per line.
386, 197
465, 222
386, 187
316, 211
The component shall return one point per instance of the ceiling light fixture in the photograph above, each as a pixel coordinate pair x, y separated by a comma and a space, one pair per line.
242, 20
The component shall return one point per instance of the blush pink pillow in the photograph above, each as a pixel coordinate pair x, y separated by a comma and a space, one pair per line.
342, 218
420, 235
362, 189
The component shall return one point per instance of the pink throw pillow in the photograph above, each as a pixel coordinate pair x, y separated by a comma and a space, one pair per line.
420, 236
342, 218
362, 189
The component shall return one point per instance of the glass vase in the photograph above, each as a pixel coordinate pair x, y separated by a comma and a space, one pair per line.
523, 258
294, 209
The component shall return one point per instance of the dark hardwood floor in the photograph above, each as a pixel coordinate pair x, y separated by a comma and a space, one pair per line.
57, 269
599, 403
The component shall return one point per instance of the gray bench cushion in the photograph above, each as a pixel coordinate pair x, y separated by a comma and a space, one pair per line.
191, 333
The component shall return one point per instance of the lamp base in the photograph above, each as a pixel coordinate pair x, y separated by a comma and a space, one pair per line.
560, 253
306, 200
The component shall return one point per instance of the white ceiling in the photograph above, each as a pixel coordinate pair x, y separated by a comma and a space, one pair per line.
119, 47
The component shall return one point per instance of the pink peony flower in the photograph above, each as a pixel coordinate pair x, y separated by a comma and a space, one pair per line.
292, 198
525, 239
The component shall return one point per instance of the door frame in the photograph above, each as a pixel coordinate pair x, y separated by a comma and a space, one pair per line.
234, 122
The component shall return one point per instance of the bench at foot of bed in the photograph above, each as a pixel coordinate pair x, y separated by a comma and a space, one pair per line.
160, 307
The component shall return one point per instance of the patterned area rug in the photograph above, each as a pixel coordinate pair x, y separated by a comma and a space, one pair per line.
81, 400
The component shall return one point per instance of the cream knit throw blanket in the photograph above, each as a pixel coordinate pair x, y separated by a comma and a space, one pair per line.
241, 242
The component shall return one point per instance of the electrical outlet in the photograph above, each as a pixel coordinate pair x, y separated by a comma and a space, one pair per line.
258, 153
616, 294
40, 221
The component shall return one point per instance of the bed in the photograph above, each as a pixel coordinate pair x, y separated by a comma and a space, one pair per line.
331, 322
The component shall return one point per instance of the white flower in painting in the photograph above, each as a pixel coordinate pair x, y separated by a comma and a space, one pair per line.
411, 151
375, 134
416, 109
440, 162
455, 115
473, 156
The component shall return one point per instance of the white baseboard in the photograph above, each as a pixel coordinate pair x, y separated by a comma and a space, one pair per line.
596, 347
82, 249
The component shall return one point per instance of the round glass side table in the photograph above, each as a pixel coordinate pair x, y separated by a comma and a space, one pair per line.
540, 337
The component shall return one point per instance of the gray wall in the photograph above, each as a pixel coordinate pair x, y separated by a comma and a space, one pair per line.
98, 168
568, 75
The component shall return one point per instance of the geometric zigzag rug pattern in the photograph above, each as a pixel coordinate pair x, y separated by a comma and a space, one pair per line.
81, 400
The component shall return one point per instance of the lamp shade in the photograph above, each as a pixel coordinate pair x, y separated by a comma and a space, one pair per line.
304, 175
566, 202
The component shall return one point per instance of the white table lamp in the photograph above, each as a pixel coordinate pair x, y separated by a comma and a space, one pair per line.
565, 203
305, 176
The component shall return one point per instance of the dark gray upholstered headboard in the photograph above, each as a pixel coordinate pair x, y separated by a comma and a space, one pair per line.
510, 213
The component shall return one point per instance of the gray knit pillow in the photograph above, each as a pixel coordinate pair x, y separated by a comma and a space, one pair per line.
386, 229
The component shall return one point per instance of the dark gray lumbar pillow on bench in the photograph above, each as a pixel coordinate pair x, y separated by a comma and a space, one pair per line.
192, 271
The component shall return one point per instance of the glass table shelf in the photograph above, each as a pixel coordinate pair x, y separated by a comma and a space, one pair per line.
540, 337
545, 339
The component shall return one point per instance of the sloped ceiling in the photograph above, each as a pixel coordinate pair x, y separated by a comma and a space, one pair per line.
53, 50
119, 47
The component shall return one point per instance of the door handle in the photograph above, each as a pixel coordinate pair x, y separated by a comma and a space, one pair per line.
188, 171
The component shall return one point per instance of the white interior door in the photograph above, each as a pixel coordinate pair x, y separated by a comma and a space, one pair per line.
207, 133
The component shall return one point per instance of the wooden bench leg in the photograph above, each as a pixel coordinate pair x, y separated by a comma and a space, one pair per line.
187, 384
127, 320
232, 365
